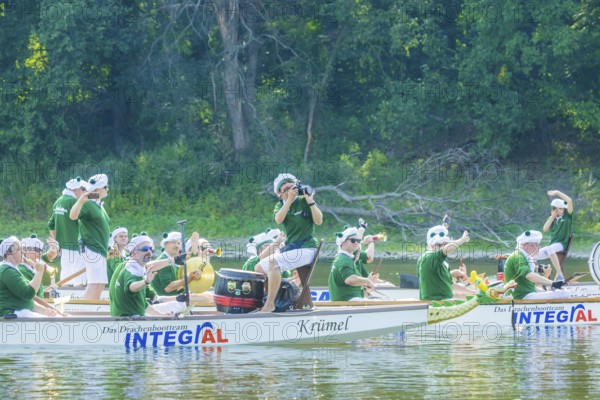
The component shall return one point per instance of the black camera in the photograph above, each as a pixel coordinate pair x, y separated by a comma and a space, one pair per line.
303, 189
541, 269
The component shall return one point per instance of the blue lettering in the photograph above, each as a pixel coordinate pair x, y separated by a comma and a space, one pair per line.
155, 336
538, 315
185, 337
139, 339
324, 296
313, 295
562, 316
549, 317
170, 338
525, 318
127, 339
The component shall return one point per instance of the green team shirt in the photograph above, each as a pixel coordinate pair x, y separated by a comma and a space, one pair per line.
15, 292
435, 280
343, 267
251, 263
516, 268
124, 302
561, 229
112, 265
360, 264
29, 274
94, 227
298, 224
67, 230
164, 277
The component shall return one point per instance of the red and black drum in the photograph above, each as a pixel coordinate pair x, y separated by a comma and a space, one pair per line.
238, 292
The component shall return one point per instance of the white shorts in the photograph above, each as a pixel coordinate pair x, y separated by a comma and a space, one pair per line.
546, 251
95, 265
28, 314
71, 262
289, 260
170, 307
556, 294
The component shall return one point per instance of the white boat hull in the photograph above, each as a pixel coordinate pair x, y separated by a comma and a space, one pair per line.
320, 326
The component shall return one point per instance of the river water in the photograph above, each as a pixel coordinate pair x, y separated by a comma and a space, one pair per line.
557, 362
431, 363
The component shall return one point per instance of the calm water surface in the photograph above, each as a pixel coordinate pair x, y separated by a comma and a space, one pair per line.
560, 362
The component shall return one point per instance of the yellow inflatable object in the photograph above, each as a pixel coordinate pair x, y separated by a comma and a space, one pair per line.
207, 274
477, 281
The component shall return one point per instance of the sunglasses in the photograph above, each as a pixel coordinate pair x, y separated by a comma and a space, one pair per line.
442, 234
146, 248
354, 240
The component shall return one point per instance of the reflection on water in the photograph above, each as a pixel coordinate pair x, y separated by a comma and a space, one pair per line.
550, 362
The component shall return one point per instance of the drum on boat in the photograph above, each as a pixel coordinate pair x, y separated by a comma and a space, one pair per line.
238, 292
594, 263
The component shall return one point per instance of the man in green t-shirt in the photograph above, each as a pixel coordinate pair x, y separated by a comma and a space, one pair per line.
521, 268
345, 280
66, 231
435, 277
560, 225
16, 292
298, 215
130, 289
94, 233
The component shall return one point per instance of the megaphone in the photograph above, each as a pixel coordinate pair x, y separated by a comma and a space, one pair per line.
217, 252
380, 237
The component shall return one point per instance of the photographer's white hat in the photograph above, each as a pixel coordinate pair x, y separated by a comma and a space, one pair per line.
281, 179
437, 235
530, 237
559, 203
97, 182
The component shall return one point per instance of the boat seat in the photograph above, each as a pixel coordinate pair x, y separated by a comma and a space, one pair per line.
305, 273
562, 255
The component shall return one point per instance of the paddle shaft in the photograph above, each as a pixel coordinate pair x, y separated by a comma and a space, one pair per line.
378, 265
67, 279
185, 274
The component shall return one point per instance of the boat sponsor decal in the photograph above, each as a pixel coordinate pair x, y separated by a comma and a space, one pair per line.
319, 295
553, 314
159, 336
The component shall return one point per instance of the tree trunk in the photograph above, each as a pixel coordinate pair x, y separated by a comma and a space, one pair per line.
227, 12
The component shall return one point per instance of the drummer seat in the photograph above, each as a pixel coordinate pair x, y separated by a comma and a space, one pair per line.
305, 273
562, 255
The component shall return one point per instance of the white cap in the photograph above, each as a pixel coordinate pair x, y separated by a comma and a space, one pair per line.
76, 183
281, 179
6, 244
530, 237
136, 241
170, 237
97, 182
437, 235
32, 243
559, 203
341, 237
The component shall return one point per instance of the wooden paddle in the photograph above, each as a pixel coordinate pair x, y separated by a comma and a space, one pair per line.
378, 265
67, 279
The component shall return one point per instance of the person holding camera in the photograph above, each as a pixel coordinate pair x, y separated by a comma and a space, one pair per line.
560, 225
297, 213
66, 231
521, 268
94, 234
